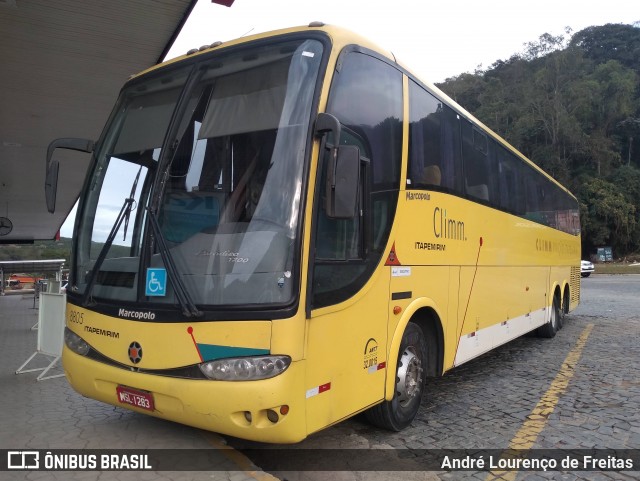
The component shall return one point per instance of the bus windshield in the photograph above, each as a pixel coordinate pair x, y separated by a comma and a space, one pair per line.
201, 167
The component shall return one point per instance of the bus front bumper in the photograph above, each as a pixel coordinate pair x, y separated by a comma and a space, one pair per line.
269, 410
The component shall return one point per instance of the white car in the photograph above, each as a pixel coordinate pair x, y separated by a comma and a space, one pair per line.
586, 268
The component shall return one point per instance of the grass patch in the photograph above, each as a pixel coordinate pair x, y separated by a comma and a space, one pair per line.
616, 268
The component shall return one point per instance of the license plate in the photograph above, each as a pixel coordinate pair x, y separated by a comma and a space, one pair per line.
133, 397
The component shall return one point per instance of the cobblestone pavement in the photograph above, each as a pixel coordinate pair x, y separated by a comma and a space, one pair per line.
485, 403
50, 415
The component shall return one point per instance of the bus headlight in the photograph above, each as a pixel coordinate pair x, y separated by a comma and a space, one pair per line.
75, 342
245, 368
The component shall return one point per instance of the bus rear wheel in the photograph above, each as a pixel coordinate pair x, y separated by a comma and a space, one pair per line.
550, 328
564, 310
398, 413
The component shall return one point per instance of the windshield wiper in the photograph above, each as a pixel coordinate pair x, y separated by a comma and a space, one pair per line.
130, 208
124, 215
189, 309
125, 211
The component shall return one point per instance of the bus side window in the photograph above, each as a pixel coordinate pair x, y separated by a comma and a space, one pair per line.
425, 113
511, 187
366, 97
478, 171
434, 154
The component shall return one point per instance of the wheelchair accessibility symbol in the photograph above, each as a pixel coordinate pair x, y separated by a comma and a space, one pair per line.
156, 282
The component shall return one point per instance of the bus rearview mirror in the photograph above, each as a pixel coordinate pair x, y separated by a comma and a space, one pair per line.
53, 166
343, 180
51, 185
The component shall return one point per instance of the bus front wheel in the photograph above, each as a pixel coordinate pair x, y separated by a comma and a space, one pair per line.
398, 413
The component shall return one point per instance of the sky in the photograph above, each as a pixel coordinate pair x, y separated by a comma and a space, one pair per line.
435, 40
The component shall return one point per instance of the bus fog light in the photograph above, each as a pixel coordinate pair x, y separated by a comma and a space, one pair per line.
272, 416
245, 368
75, 342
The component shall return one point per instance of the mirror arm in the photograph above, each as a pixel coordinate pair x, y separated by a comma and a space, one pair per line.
328, 123
81, 145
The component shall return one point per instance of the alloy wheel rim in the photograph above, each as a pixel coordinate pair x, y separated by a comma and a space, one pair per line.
409, 376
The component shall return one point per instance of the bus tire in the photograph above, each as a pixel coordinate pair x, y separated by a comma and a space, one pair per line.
550, 328
564, 311
398, 413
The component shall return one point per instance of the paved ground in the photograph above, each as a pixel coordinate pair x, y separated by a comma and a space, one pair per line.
50, 415
578, 390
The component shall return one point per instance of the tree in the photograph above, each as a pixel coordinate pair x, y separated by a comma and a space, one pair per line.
610, 219
610, 42
613, 90
465, 89
545, 45
627, 181
629, 129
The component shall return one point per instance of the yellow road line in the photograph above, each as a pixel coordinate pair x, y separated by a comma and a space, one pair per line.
528, 434
243, 463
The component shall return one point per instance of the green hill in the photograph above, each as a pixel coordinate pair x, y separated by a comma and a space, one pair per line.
572, 105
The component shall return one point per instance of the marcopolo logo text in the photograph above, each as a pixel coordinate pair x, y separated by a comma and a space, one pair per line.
147, 315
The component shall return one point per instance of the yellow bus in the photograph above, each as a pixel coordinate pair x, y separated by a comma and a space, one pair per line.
284, 230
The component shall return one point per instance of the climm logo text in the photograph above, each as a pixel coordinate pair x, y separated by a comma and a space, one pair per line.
447, 227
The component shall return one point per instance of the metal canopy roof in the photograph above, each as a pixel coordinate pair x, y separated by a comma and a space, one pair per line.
39, 266
63, 63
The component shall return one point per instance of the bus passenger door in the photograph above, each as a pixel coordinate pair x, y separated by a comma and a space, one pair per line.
346, 351
347, 330
349, 286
